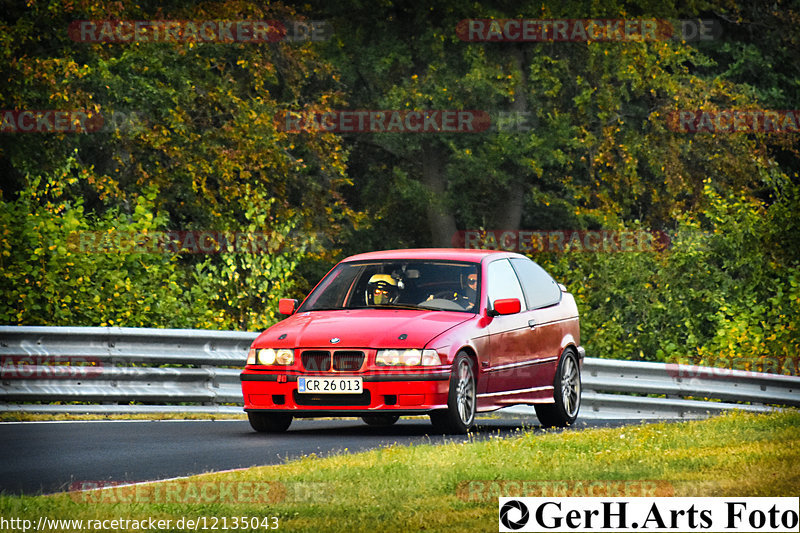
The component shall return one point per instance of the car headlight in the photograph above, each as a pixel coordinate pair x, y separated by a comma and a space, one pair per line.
270, 356
407, 358
266, 356
284, 357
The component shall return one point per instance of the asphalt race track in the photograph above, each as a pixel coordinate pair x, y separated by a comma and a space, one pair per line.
46, 457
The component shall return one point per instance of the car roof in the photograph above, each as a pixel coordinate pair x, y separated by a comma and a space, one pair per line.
447, 254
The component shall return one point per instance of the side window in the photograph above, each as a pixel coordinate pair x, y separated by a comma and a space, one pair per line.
540, 289
332, 290
503, 282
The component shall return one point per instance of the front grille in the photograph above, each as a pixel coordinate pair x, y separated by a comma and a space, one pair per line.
316, 360
332, 399
347, 361
343, 360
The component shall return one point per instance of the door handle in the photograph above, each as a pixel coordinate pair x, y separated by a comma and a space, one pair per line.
532, 323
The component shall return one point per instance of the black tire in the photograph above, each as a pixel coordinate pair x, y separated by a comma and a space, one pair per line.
459, 416
566, 392
269, 422
380, 420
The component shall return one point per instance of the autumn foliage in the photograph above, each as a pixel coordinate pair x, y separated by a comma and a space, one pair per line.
105, 131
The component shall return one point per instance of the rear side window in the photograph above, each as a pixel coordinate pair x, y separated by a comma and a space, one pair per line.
503, 282
540, 289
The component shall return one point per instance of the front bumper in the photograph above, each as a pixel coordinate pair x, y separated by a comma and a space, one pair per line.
397, 393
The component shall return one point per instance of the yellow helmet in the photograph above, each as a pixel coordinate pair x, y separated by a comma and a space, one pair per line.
382, 289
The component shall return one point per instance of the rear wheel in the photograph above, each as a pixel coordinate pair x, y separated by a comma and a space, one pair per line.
566, 392
462, 398
269, 422
380, 420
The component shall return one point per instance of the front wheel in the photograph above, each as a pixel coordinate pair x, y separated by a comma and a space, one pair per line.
566, 392
269, 422
461, 400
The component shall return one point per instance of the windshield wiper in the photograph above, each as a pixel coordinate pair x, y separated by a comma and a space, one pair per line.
394, 306
387, 306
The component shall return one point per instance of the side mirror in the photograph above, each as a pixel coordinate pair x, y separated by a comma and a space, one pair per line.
505, 306
287, 306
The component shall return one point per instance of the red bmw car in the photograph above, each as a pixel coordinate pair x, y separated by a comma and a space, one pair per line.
439, 332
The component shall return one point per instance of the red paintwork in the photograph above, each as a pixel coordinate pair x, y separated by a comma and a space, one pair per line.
286, 306
507, 306
362, 328
514, 362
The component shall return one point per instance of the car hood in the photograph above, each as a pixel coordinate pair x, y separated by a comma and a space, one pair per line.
360, 328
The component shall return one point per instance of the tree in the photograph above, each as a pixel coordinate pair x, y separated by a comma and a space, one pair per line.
600, 151
194, 124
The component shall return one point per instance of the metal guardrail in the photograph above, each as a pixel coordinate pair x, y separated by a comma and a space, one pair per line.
116, 367
144, 370
614, 389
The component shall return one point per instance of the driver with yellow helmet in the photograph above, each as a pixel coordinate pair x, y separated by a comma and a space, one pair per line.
383, 289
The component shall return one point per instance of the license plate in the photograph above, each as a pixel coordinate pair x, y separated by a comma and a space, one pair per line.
330, 385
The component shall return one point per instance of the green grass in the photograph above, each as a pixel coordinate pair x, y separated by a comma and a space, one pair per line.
427, 487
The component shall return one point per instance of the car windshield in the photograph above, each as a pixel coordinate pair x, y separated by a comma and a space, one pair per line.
437, 285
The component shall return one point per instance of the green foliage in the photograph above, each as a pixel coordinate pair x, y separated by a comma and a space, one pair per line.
725, 293
47, 280
191, 142
247, 286
64, 267
601, 155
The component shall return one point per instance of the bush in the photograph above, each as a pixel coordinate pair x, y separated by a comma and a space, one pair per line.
49, 278
726, 292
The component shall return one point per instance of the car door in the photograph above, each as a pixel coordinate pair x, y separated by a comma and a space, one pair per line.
510, 336
545, 320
